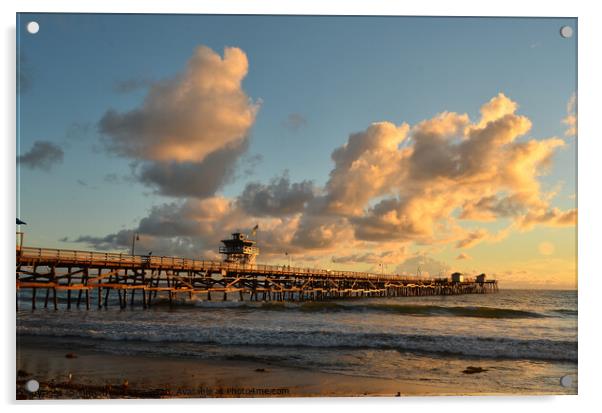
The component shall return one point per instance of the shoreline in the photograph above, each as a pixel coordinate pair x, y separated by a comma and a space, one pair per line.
83, 373
66, 372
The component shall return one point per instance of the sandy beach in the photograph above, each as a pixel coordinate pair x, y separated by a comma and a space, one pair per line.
76, 373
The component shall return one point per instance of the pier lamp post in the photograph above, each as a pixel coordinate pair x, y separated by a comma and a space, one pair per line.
135, 238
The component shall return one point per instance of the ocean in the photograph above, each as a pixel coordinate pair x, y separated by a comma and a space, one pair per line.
524, 340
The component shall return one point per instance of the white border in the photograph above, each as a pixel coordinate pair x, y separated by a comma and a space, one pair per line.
590, 208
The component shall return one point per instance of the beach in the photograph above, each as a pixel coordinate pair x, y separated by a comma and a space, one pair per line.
102, 375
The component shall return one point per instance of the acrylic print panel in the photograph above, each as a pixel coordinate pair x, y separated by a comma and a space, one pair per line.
281, 206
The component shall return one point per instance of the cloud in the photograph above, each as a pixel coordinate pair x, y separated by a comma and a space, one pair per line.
295, 121
497, 108
553, 217
195, 179
478, 171
187, 117
412, 218
278, 198
172, 219
432, 155
366, 166
463, 256
571, 116
316, 232
193, 228
391, 186
108, 242
472, 239
489, 208
187, 125
188, 228
42, 155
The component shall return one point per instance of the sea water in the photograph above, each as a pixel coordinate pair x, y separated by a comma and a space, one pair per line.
524, 340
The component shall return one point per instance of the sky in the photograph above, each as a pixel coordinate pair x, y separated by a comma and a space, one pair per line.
390, 144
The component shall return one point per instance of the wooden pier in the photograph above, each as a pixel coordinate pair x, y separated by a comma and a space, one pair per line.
89, 279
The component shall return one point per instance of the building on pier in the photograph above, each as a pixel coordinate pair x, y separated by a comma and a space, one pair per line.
239, 249
457, 277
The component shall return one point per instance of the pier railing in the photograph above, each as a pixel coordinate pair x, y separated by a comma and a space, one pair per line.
50, 256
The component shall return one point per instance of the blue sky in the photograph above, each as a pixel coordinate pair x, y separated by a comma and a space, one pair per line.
339, 74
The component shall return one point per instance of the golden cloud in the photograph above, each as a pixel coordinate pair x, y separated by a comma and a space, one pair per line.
391, 185
191, 128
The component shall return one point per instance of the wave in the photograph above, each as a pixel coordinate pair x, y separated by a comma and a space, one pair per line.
407, 309
355, 306
565, 311
444, 345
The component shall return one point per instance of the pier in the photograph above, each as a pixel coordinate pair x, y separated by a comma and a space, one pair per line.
90, 278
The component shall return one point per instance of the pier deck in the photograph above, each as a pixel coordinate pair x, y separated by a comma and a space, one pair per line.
96, 276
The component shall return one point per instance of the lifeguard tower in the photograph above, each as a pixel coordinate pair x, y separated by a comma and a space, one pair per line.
457, 277
239, 249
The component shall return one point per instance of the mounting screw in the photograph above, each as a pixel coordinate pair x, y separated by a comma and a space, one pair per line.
32, 386
566, 31
33, 27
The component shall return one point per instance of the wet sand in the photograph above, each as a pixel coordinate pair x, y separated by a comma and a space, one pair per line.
74, 373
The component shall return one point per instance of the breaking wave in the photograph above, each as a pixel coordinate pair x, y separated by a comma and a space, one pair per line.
480, 347
406, 309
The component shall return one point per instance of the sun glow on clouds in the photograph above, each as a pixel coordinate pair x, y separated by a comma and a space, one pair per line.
190, 129
187, 117
393, 187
